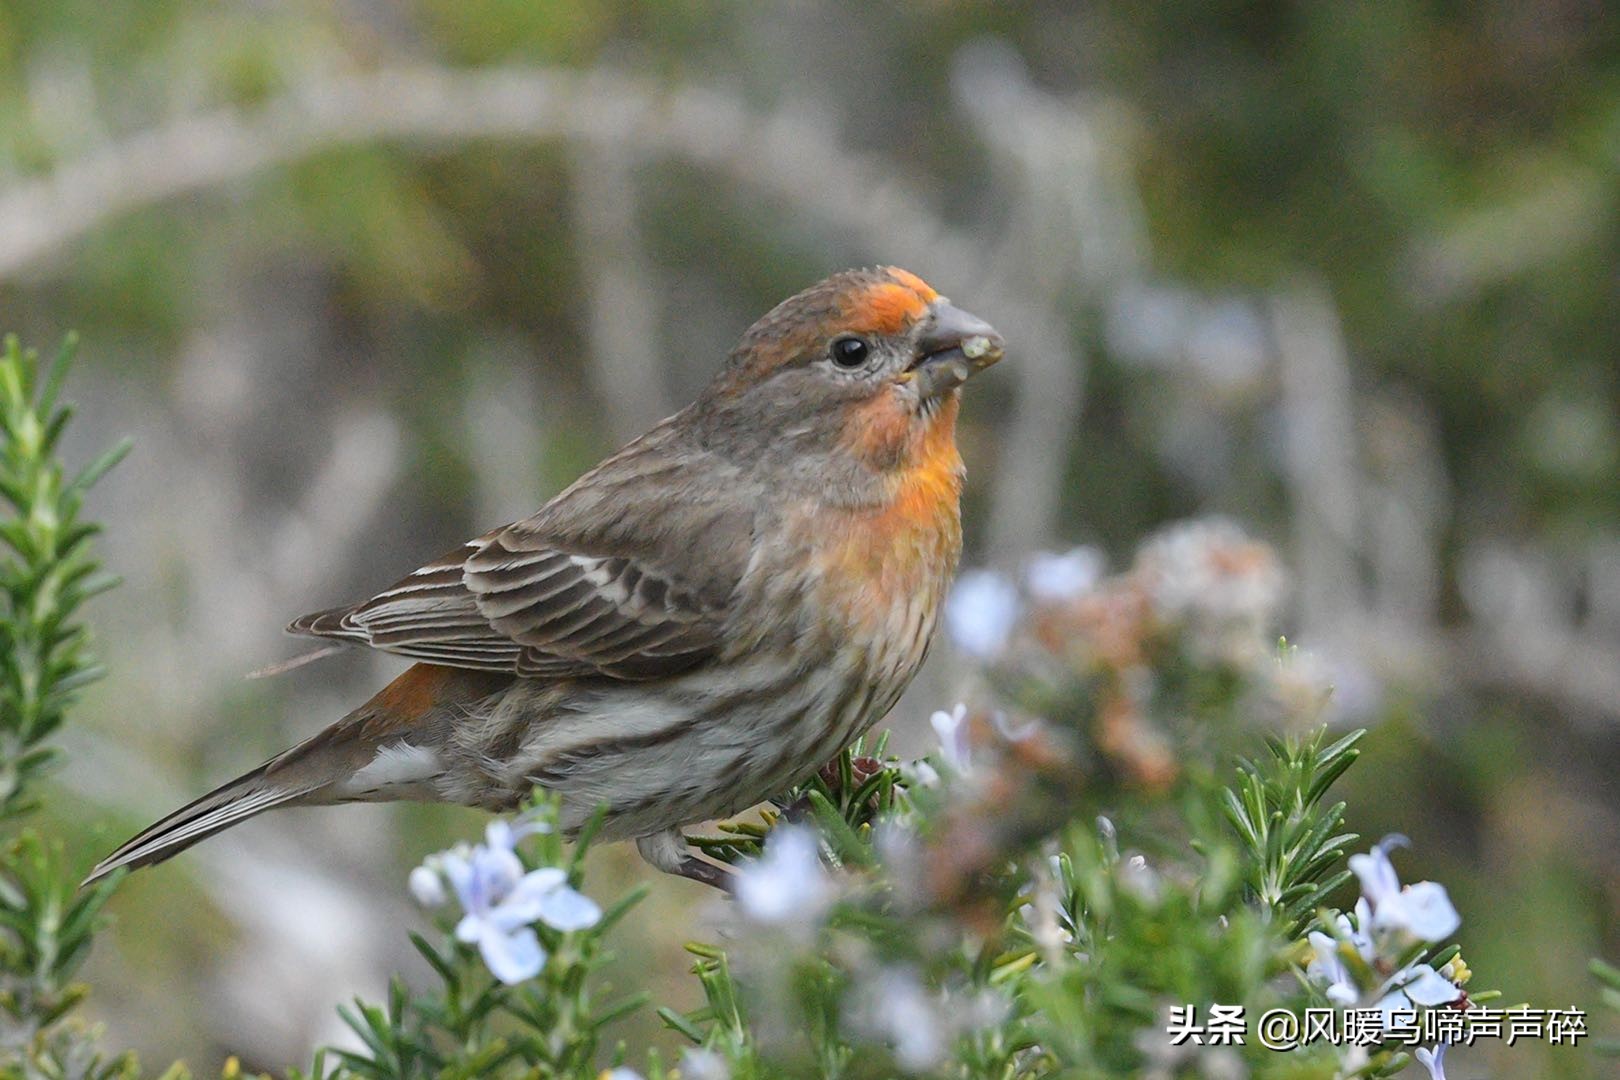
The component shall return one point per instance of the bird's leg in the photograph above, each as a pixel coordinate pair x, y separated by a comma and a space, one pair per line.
668, 852
708, 873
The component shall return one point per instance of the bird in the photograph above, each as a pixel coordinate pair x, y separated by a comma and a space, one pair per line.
696, 624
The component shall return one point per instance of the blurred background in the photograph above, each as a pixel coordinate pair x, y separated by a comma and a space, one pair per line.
364, 278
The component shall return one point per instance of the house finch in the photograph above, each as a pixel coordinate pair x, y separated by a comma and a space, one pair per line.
696, 624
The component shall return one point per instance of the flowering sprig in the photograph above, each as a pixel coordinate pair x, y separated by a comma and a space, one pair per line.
501, 902
519, 944
1203, 582
890, 889
1374, 957
1220, 587
1171, 653
1367, 958
846, 798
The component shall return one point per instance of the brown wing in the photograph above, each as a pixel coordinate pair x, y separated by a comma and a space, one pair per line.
626, 574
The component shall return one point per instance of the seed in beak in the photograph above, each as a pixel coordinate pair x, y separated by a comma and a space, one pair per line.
975, 347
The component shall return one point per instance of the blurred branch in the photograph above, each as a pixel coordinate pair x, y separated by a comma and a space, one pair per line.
1603, 593
340, 500
503, 430
1074, 234
1525, 633
1577, 671
621, 296
1320, 457
1405, 501
243, 543
1512, 235
794, 153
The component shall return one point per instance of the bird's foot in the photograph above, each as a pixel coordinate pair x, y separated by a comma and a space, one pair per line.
668, 852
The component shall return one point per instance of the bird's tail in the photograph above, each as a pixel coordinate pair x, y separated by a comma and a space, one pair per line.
380, 751
264, 788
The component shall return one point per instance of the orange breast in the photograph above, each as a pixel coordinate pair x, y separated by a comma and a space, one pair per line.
887, 566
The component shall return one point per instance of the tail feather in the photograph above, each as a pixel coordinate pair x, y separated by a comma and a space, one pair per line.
382, 750
242, 798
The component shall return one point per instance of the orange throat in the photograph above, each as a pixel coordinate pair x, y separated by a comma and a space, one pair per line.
899, 554
928, 485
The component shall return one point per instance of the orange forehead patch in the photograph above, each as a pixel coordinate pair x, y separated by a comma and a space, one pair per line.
914, 283
888, 307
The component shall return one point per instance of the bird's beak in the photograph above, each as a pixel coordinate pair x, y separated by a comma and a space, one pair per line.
951, 347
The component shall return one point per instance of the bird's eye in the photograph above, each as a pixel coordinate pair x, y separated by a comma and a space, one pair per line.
850, 351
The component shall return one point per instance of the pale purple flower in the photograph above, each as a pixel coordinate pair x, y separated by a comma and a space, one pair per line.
623, 1072
919, 774
1423, 909
1361, 935
1388, 919
896, 844
1108, 834
953, 729
1140, 879
1014, 730
787, 884
1432, 1060
483, 878
1327, 968
1375, 871
501, 902
1053, 578
427, 886
704, 1065
501, 833
894, 1007
1420, 912
1416, 986
981, 612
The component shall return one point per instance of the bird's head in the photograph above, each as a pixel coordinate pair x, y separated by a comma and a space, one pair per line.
852, 379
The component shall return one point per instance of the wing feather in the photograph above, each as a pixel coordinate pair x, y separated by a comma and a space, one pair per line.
576, 589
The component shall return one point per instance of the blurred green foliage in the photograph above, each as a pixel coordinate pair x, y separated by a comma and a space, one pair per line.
47, 572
